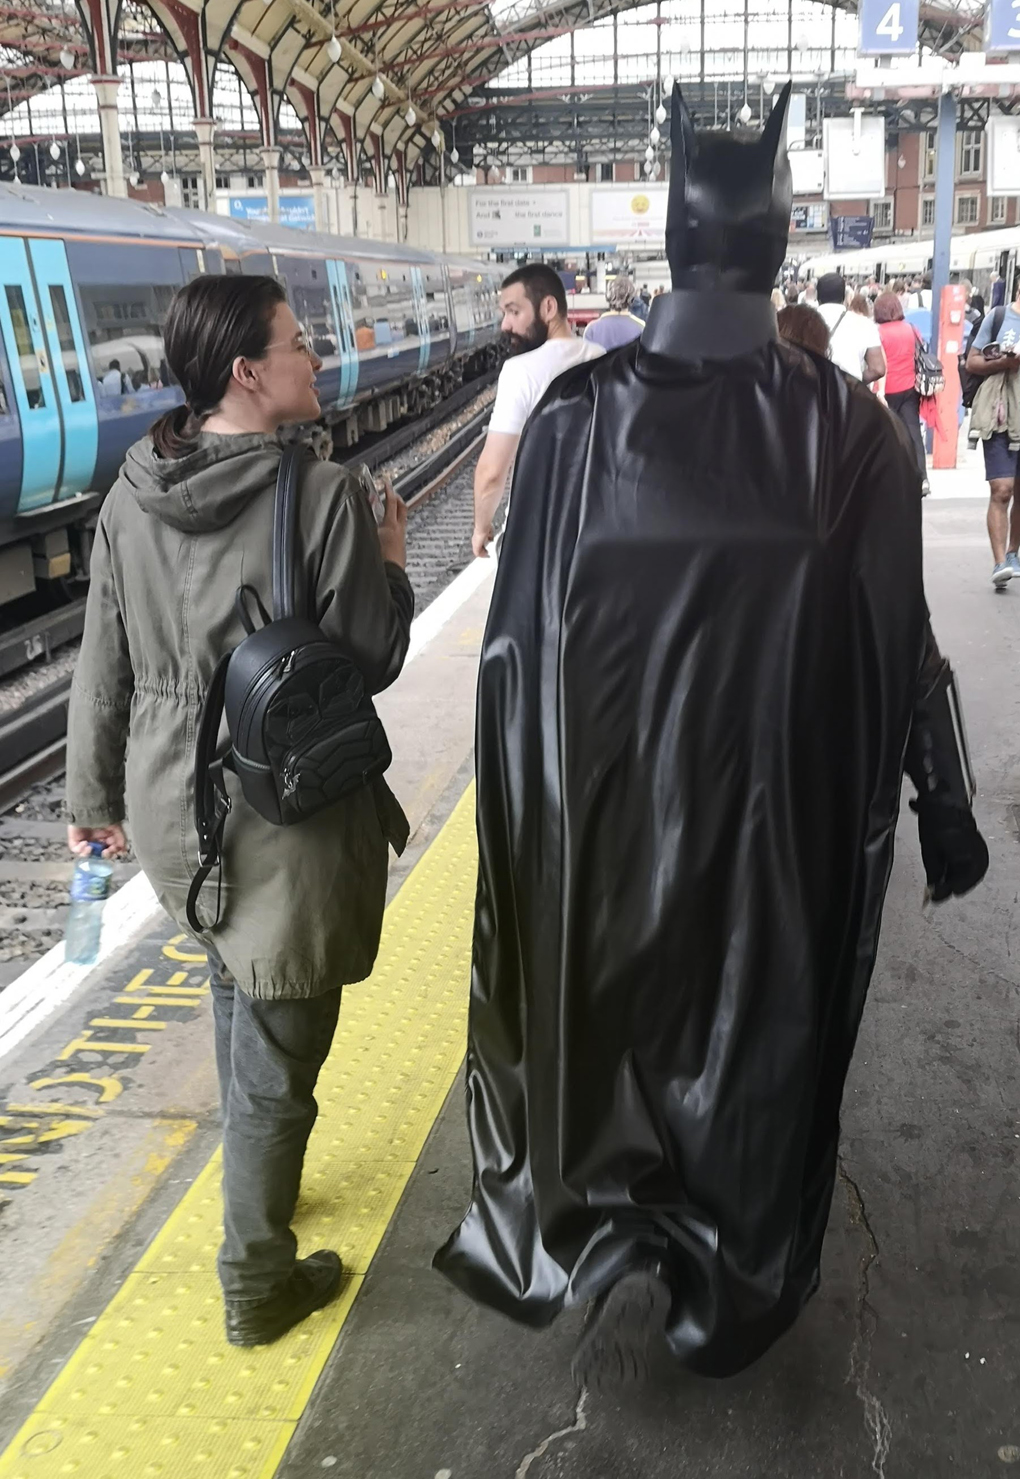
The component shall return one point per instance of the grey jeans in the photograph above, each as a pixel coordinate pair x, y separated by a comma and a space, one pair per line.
268, 1057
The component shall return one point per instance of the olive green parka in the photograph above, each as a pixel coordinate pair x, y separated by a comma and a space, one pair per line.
302, 905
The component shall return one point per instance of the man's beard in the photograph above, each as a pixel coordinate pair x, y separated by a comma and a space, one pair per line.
533, 339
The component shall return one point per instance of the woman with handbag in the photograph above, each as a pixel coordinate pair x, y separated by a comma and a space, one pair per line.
189, 523
899, 343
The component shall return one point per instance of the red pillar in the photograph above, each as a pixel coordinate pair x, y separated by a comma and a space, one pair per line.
952, 335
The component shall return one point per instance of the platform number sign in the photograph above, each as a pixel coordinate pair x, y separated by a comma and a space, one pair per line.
1002, 25
889, 27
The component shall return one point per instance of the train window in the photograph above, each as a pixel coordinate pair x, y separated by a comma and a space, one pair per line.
314, 311
27, 357
125, 330
68, 348
384, 309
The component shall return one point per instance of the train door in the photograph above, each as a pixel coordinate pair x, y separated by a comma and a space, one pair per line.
343, 314
421, 317
31, 376
70, 364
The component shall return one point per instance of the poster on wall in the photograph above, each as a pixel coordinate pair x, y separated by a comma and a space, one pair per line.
295, 210
518, 218
850, 232
814, 217
632, 217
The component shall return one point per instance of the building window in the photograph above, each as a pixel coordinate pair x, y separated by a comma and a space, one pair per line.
928, 211
191, 196
928, 153
881, 210
966, 210
253, 182
970, 151
606, 174
996, 210
520, 174
222, 182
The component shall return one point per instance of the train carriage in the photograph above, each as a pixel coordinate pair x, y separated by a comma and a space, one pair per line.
85, 282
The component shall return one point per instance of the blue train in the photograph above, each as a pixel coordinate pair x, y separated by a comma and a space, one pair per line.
84, 286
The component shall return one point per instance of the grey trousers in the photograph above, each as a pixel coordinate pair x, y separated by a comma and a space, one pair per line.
268, 1057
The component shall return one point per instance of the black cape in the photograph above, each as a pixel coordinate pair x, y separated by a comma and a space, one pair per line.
694, 700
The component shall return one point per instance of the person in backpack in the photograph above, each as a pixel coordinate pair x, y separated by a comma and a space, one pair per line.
899, 345
854, 344
189, 521
993, 360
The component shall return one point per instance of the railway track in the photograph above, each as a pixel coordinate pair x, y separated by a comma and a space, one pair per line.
33, 735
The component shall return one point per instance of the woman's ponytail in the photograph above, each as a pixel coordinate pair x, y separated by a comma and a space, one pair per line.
173, 435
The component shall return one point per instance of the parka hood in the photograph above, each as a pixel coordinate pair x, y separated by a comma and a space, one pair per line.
209, 487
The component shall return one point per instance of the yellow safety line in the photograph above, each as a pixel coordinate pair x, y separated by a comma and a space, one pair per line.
154, 1390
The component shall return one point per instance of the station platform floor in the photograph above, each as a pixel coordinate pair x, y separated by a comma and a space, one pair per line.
905, 1365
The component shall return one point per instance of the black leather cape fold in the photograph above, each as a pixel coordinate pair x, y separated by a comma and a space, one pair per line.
694, 700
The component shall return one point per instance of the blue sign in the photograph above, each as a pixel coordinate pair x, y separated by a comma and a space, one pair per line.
889, 27
1002, 25
295, 210
848, 232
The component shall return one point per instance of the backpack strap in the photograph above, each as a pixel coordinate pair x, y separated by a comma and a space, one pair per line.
211, 800
285, 533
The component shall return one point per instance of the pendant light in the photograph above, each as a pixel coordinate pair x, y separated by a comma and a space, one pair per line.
744, 116
15, 153
333, 48
66, 58
437, 140
654, 136
649, 154
54, 150
667, 85
660, 114
79, 168
454, 156
378, 88
410, 117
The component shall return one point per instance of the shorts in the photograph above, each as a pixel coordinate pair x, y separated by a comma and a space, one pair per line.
1000, 462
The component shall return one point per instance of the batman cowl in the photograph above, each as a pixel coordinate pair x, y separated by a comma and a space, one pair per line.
728, 218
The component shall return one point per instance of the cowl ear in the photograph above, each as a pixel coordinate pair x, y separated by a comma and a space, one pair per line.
773, 137
681, 132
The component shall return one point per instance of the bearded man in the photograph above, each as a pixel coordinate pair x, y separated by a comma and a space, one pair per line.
542, 345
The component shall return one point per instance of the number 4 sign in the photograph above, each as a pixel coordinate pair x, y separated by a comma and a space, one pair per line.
1002, 25
888, 27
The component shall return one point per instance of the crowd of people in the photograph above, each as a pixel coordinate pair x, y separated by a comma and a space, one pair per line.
707, 664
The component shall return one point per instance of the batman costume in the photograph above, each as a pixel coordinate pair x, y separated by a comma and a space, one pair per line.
706, 665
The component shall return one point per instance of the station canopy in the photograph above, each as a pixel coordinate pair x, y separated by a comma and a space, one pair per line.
340, 76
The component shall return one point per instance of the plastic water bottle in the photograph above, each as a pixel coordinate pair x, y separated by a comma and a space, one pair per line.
90, 888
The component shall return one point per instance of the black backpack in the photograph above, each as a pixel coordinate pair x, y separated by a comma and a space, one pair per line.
303, 731
969, 383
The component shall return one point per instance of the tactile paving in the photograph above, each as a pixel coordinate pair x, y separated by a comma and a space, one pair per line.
154, 1389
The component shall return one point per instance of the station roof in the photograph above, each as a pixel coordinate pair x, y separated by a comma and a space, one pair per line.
331, 59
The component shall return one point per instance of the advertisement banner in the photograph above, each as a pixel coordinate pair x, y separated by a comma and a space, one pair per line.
854, 158
295, 210
635, 216
848, 232
518, 218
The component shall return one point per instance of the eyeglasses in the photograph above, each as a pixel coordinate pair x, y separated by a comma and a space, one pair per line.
296, 346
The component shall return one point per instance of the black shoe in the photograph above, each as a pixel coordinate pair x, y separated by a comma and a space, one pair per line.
314, 1281
627, 1324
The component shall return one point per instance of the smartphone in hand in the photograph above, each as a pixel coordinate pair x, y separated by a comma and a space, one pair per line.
376, 496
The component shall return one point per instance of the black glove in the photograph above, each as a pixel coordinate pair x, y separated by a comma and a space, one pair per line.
953, 851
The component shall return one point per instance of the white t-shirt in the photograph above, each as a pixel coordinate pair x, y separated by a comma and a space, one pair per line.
525, 378
853, 338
